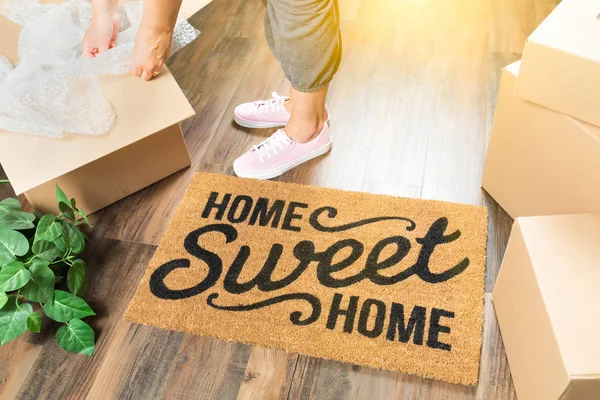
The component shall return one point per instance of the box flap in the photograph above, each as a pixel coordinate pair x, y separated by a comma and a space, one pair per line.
514, 68
142, 109
586, 387
592, 130
536, 365
565, 254
571, 28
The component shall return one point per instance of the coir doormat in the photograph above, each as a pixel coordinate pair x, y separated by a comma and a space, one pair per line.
381, 281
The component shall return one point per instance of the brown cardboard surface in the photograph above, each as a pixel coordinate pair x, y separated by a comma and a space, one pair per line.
561, 62
565, 255
142, 109
220, 292
540, 162
546, 300
110, 178
583, 387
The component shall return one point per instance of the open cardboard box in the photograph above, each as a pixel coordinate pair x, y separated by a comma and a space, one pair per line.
539, 161
561, 61
547, 300
144, 146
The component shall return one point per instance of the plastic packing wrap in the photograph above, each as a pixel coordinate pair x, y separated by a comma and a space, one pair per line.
53, 89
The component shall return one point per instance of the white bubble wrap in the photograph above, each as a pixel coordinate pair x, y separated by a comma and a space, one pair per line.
52, 89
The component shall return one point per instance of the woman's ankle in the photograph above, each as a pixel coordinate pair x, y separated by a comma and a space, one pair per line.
304, 131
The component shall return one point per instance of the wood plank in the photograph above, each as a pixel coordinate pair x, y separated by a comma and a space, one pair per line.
391, 189
495, 381
207, 368
262, 76
398, 150
456, 145
115, 269
136, 363
268, 375
511, 23
305, 379
375, 22
317, 378
544, 8
17, 358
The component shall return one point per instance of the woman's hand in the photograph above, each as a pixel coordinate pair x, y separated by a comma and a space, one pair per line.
101, 34
151, 51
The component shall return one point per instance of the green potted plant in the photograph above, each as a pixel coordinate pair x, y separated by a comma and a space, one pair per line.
40, 272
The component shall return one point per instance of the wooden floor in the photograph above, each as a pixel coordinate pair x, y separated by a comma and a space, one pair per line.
411, 107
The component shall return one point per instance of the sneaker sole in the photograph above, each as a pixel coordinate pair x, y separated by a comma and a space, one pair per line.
279, 171
259, 125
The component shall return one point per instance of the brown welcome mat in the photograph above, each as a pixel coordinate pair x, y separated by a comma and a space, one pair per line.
375, 280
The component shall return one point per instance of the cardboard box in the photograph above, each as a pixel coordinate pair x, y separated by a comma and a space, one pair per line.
145, 145
540, 162
547, 300
561, 61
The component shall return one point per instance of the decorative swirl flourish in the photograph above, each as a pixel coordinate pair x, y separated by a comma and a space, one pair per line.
332, 212
295, 317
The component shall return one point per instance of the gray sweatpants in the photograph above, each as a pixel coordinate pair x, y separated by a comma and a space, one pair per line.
304, 36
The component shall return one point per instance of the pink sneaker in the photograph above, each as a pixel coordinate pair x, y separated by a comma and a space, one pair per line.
263, 113
279, 154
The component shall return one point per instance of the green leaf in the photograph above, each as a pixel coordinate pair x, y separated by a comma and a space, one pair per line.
13, 276
66, 210
3, 299
85, 218
74, 205
44, 250
43, 225
17, 220
76, 337
40, 287
13, 319
12, 245
9, 205
76, 277
73, 238
34, 322
48, 229
61, 246
61, 196
66, 307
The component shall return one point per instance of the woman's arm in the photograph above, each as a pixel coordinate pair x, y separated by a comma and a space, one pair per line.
104, 27
153, 39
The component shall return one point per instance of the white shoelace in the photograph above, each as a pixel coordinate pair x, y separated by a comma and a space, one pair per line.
272, 145
269, 106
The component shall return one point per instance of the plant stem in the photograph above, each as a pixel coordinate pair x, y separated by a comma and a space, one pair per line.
66, 259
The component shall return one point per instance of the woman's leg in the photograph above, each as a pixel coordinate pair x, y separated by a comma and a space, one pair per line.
308, 114
304, 36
